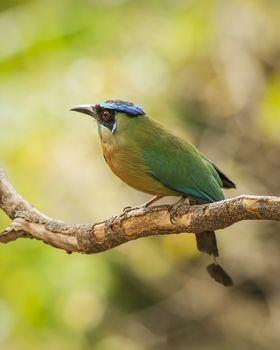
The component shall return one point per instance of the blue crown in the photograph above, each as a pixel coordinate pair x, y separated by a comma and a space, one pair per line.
123, 106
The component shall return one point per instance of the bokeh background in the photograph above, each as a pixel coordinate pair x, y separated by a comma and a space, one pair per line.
207, 69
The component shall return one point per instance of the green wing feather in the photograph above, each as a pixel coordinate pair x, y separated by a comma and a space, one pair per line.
180, 166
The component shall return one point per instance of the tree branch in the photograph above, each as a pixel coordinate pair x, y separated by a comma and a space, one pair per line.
28, 222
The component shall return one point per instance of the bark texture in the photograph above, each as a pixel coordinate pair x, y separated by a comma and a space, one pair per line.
28, 222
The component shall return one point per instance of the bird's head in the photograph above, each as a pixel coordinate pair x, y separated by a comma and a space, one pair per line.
109, 112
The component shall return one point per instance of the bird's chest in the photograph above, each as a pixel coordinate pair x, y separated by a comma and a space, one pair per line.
124, 157
112, 149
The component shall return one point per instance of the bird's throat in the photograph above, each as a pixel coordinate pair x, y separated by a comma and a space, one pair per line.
106, 135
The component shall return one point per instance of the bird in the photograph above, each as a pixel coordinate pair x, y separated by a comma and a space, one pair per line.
151, 159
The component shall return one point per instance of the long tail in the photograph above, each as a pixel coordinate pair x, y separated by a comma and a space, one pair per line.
207, 243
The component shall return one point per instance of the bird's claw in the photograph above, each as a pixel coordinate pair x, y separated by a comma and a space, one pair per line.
114, 219
173, 210
173, 214
126, 210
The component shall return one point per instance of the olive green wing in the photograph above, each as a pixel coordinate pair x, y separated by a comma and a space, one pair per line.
181, 167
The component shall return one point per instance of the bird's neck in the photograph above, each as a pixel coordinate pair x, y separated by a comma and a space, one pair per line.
105, 134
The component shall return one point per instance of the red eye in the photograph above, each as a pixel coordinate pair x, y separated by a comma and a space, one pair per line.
106, 115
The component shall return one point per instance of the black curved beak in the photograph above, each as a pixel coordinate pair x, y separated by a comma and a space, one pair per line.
85, 109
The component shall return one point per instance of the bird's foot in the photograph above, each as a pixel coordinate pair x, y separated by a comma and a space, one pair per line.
128, 209
114, 219
173, 209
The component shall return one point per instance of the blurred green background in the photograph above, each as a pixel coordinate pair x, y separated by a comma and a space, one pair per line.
207, 69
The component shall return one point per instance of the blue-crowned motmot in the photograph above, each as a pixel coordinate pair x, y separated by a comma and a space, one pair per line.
152, 160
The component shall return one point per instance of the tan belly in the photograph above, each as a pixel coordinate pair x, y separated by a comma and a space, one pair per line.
129, 168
